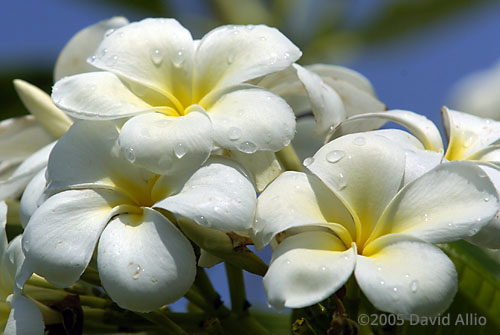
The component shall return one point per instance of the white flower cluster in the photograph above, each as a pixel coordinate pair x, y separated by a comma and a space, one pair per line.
164, 141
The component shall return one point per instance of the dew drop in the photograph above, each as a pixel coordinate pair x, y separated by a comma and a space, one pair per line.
382, 282
308, 161
109, 32
468, 141
395, 293
288, 262
250, 27
335, 156
103, 53
202, 220
230, 57
273, 58
379, 268
162, 123
486, 199
136, 270
234, 133
91, 59
323, 268
247, 147
341, 182
26, 245
157, 57
178, 58
263, 38
130, 155
112, 60
286, 55
425, 217
360, 140
414, 286
179, 150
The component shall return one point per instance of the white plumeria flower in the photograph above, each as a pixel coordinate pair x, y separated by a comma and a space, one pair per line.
477, 93
353, 215
18, 314
471, 138
144, 261
184, 97
26, 141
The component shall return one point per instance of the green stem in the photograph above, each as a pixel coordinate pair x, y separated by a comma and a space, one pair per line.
236, 288
289, 159
205, 288
159, 318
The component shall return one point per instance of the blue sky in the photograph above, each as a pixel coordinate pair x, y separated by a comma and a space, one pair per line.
414, 73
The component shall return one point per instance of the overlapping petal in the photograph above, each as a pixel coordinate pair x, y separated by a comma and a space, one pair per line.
450, 202
251, 119
32, 197
278, 209
168, 145
231, 55
60, 249
24, 317
218, 195
407, 277
144, 261
73, 57
155, 53
307, 268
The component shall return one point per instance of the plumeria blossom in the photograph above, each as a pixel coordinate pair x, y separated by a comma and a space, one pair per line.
471, 138
18, 314
183, 98
355, 215
26, 141
99, 197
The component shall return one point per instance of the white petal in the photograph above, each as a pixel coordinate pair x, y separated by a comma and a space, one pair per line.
218, 195
251, 119
99, 96
14, 186
468, 133
3, 222
89, 156
407, 277
231, 55
60, 249
450, 202
38, 103
489, 235
21, 137
167, 145
155, 53
262, 165
296, 199
24, 318
32, 197
307, 268
11, 261
144, 261
326, 104
366, 177
341, 73
421, 127
418, 160
73, 57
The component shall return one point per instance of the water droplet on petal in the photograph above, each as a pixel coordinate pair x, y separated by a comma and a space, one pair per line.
135, 269
178, 58
395, 293
308, 161
334, 156
112, 60
230, 56
288, 262
130, 155
382, 282
360, 140
179, 150
286, 55
234, 133
425, 217
379, 268
250, 27
247, 147
486, 199
26, 245
91, 59
103, 53
341, 182
273, 58
157, 57
414, 286
162, 123
323, 268
468, 141
263, 38
202, 220
109, 32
